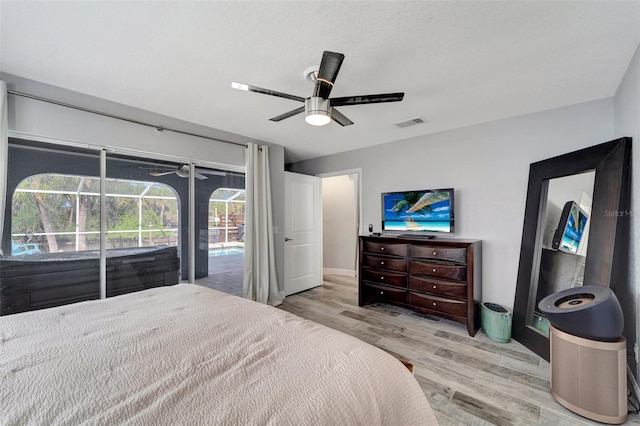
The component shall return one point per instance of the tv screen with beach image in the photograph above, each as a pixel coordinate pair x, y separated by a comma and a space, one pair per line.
426, 211
574, 229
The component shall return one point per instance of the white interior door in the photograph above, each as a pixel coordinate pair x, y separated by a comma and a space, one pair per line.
302, 233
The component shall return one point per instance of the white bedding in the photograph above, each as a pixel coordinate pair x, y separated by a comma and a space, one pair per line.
190, 355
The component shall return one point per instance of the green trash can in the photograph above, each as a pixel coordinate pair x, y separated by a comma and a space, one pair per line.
496, 322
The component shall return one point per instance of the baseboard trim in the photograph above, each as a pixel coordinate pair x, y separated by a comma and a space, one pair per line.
344, 272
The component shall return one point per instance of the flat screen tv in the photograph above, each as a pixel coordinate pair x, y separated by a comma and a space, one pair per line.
570, 229
427, 212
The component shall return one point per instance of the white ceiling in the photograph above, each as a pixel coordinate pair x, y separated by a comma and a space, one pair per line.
459, 63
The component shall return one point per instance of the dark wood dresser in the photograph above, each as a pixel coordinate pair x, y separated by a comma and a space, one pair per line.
441, 277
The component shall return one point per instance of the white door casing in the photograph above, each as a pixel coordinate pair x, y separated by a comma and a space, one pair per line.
302, 233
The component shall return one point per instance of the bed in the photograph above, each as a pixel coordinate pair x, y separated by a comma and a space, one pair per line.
187, 354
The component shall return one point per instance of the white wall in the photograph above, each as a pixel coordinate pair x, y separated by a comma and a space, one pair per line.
488, 165
37, 118
627, 123
339, 221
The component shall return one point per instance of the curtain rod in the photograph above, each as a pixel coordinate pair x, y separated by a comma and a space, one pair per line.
159, 128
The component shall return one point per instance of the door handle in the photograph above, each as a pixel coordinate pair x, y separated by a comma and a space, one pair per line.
288, 239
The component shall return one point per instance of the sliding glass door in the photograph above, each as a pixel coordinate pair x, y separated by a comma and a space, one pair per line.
87, 223
142, 217
52, 228
219, 219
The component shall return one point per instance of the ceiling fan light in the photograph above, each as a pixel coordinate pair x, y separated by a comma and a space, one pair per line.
317, 111
318, 118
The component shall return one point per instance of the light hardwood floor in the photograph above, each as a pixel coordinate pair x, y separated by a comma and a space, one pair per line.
468, 381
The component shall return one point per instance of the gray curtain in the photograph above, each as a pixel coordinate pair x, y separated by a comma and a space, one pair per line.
260, 281
4, 143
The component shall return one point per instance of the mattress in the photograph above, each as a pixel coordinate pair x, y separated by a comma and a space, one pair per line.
186, 354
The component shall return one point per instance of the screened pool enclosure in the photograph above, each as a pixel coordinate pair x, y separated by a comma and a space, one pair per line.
61, 213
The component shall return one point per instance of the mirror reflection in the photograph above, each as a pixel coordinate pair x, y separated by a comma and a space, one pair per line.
563, 234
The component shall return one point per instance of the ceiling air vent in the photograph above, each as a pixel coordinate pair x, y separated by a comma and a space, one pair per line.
409, 123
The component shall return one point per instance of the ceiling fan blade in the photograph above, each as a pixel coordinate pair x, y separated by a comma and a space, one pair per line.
329, 67
200, 176
211, 172
367, 99
161, 173
288, 114
248, 88
339, 118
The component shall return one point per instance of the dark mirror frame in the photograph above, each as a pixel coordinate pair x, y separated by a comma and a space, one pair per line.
607, 239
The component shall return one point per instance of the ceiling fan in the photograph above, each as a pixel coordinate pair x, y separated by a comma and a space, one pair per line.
183, 172
319, 109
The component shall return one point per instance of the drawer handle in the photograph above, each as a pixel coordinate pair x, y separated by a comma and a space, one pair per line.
382, 263
382, 278
434, 269
382, 248
435, 252
434, 286
382, 292
434, 303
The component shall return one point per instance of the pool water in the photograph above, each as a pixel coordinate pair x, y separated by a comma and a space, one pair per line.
225, 251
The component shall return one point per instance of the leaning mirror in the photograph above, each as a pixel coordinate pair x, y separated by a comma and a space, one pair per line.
572, 233
560, 256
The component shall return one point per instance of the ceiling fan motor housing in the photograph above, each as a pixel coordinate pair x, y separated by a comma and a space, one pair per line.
317, 110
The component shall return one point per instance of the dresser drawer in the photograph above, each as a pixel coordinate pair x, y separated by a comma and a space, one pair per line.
384, 277
458, 255
385, 263
395, 249
452, 272
384, 293
442, 288
453, 307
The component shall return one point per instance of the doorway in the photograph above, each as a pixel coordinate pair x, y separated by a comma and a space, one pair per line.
220, 199
341, 220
